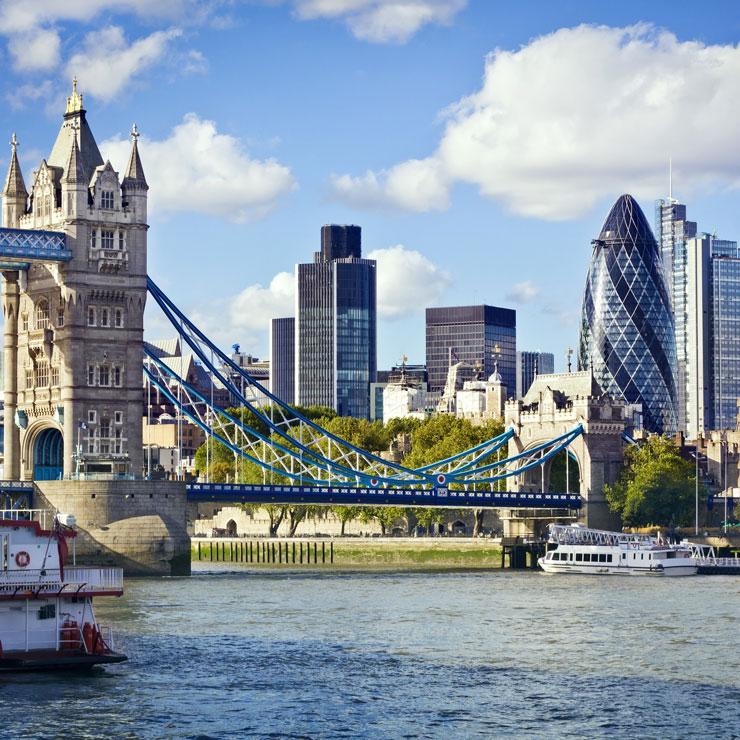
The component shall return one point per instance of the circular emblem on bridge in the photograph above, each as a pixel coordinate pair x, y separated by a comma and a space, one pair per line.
374, 482
441, 478
22, 559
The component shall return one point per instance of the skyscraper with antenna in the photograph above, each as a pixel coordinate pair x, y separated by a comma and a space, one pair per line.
672, 232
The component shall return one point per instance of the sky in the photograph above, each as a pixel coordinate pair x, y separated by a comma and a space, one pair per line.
479, 143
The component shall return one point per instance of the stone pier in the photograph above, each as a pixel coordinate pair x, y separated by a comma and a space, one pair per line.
137, 525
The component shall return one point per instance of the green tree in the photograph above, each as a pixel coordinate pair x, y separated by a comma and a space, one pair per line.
346, 514
656, 486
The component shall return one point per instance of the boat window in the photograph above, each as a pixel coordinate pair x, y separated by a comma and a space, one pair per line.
48, 611
571, 556
587, 557
579, 557
602, 557
624, 556
609, 558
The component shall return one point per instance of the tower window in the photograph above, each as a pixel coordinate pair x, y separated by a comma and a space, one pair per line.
104, 317
29, 377
24, 322
93, 239
104, 375
42, 315
91, 374
91, 318
106, 238
42, 373
118, 318
117, 376
118, 417
92, 416
121, 241
60, 316
55, 375
106, 199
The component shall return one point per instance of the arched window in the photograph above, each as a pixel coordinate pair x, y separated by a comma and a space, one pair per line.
47, 206
91, 316
42, 314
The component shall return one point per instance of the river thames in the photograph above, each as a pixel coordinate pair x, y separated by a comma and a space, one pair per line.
385, 655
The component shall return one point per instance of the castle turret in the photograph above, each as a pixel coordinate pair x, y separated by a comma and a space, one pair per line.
14, 193
134, 186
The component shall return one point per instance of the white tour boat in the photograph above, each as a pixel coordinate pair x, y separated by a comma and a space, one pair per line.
594, 551
46, 610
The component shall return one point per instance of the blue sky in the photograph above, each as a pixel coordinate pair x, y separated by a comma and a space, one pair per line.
479, 144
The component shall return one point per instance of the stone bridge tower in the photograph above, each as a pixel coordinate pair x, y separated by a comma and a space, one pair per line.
555, 404
74, 330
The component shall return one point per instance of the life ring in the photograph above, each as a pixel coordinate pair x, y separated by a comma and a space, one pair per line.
22, 559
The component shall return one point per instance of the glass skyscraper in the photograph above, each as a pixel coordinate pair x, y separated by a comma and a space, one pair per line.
470, 334
673, 231
713, 334
627, 333
528, 366
335, 331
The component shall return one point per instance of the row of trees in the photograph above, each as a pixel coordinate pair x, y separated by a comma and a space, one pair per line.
431, 439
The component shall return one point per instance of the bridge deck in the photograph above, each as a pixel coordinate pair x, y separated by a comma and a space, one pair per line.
18, 247
442, 497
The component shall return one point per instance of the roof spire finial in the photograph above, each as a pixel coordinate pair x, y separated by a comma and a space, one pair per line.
14, 142
74, 101
135, 133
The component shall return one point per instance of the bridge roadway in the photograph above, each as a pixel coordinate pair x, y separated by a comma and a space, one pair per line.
442, 497
328, 495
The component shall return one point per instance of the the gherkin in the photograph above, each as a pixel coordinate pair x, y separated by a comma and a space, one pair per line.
627, 333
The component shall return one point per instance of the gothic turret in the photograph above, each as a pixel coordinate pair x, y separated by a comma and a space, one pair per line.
134, 186
74, 184
14, 193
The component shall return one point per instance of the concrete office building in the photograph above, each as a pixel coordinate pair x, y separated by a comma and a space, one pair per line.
282, 359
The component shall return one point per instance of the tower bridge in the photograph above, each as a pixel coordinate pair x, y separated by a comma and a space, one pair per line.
73, 255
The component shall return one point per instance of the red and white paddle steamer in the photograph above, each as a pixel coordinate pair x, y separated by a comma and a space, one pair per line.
46, 607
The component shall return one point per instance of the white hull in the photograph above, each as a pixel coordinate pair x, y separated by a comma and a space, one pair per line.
599, 569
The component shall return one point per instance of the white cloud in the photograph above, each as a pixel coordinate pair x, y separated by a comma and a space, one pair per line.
35, 50
407, 281
107, 62
417, 185
18, 16
382, 20
199, 169
549, 134
523, 292
253, 308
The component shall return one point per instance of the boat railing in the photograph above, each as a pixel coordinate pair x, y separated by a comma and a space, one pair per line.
95, 579
76, 580
563, 534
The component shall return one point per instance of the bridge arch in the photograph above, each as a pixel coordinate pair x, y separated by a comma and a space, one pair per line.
44, 451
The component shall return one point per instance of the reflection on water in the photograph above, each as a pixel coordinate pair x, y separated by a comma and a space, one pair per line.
256, 654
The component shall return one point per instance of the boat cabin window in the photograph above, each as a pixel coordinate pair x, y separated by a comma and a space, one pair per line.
579, 557
602, 557
586, 557
609, 558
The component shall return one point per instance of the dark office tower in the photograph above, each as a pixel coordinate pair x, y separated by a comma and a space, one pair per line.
471, 335
340, 241
282, 359
528, 366
335, 341
627, 331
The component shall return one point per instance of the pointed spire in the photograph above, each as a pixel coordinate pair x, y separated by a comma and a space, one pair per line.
134, 171
74, 171
14, 184
74, 101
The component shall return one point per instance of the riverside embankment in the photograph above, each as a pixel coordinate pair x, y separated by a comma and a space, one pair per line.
350, 552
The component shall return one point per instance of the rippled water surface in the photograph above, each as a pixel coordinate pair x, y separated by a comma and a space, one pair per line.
482, 654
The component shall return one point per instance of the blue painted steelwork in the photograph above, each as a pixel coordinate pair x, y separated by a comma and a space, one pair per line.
442, 497
206, 351
16, 494
34, 246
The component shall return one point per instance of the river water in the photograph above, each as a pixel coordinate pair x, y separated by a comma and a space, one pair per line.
389, 655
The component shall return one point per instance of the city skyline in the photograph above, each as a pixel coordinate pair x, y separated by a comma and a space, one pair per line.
280, 164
